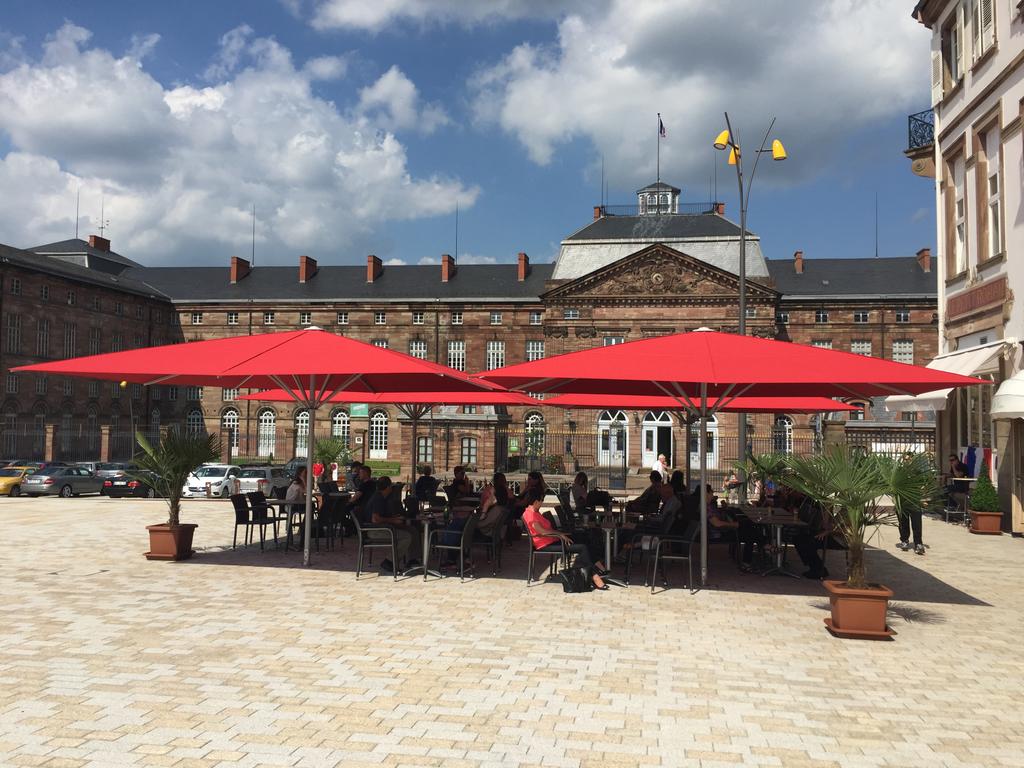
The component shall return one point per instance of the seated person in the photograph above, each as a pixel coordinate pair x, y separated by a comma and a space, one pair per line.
730, 488
810, 539
296, 494
426, 484
578, 494
678, 483
365, 488
662, 524
745, 531
460, 486
534, 485
955, 492
546, 539
647, 503
352, 476
378, 512
493, 503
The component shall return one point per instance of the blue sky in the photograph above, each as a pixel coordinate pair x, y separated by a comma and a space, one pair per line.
182, 115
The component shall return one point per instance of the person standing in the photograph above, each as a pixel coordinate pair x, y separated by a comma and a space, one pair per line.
660, 466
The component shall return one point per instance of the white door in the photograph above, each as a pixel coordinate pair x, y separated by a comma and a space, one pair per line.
657, 438
712, 445
612, 440
379, 435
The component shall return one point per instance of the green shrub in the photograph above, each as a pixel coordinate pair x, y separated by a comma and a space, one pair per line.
383, 467
984, 497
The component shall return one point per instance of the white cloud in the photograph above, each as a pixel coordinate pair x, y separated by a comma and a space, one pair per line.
143, 45
326, 68
395, 102
825, 69
375, 15
232, 44
180, 168
465, 258
395, 263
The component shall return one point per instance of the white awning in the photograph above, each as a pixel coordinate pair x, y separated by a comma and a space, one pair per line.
966, 362
1008, 401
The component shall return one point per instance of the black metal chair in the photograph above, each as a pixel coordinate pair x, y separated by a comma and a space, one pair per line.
555, 555
261, 515
494, 543
242, 519
374, 537
676, 548
463, 547
663, 528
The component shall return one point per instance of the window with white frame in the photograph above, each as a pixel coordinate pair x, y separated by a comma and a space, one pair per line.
782, 434
15, 286
71, 339
952, 49
821, 316
495, 318
859, 414
115, 390
380, 318
983, 27
116, 342
68, 388
534, 351
305, 318
94, 390
902, 315
424, 450
340, 425
468, 453
417, 318
229, 394
269, 318
12, 384
381, 343
137, 341
12, 340
172, 393
822, 344
862, 316
903, 351
95, 340
118, 308
495, 354
302, 433
194, 421
232, 318
43, 337
469, 410
418, 349
197, 318
571, 314
41, 384
456, 318
266, 432
139, 312
193, 393
782, 318
861, 347
229, 423
960, 219
44, 292
94, 303
611, 341
751, 312
70, 298
136, 390
535, 317
457, 355
343, 318
379, 435
995, 228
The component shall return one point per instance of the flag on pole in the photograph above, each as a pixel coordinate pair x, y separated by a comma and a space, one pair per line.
661, 128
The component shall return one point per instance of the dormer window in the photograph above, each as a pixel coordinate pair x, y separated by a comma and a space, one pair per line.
657, 198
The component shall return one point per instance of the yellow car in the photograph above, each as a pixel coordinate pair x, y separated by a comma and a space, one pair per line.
11, 478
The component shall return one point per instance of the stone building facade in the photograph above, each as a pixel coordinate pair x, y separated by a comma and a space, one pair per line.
626, 275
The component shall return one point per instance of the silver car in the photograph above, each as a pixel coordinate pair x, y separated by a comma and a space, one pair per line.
62, 481
264, 479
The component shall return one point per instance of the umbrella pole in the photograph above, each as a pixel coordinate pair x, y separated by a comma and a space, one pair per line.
702, 447
307, 535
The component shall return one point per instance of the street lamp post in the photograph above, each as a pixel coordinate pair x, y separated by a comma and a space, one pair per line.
728, 139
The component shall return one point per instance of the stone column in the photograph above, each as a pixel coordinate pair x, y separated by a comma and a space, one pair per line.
50, 443
104, 442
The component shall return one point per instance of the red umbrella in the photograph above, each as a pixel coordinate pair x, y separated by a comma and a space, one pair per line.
425, 398
735, 405
691, 367
310, 365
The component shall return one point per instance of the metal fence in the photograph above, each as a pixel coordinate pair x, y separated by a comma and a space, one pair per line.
601, 454
921, 129
893, 442
635, 210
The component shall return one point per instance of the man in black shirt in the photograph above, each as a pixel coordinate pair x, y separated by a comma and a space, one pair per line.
378, 512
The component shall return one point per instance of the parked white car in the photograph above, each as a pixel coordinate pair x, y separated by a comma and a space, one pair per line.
264, 479
221, 478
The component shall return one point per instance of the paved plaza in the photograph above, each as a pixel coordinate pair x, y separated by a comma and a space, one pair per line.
246, 659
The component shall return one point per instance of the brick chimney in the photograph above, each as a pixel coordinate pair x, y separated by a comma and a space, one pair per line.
239, 268
924, 259
447, 267
524, 267
798, 262
720, 209
374, 267
597, 212
99, 243
307, 268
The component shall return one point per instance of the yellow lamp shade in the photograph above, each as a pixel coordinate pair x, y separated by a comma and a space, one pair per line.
732, 156
778, 151
124, 384
722, 140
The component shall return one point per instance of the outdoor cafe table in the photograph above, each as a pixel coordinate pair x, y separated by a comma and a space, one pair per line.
427, 520
610, 529
777, 519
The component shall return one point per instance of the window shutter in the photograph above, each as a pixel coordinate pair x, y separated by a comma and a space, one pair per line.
936, 77
977, 46
988, 24
961, 34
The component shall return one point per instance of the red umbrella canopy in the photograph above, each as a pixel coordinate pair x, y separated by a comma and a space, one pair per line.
477, 397
311, 363
728, 364
735, 405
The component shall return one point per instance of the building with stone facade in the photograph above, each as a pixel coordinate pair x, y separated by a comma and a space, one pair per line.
655, 268
970, 142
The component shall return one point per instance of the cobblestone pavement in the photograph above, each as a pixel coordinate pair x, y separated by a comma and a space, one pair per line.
246, 659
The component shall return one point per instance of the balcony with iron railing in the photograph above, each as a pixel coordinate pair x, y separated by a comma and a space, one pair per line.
692, 209
921, 142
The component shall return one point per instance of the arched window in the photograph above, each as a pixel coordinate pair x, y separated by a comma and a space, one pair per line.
652, 200
379, 435
266, 440
229, 423
782, 434
340, 425
534, 433
194, 421
860, 414
612, 438
663, 204
302, 433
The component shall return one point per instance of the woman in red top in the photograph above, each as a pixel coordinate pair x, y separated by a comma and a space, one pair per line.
547, 539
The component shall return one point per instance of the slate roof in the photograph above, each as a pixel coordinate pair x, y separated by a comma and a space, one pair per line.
659, 186
658, 228
488, 282
877, 278
79, 246
62, 268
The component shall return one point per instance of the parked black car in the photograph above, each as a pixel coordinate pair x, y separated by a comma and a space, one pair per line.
135, 485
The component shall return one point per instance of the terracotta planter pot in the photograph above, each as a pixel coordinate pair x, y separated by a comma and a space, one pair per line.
167, 543
858, 613
990, 523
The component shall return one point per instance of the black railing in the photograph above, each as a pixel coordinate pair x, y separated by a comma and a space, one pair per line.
692, 209
921, 129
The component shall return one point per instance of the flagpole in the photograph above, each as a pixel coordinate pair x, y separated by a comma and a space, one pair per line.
659, 147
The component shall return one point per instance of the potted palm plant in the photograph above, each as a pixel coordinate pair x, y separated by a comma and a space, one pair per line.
861, 492
986, 517
178, 454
